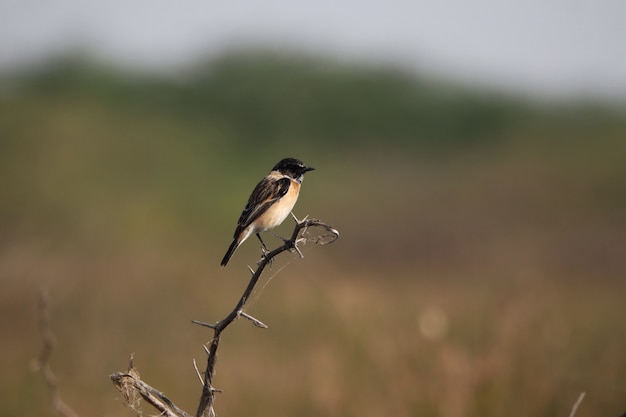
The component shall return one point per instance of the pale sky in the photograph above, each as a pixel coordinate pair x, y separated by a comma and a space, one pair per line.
554, 47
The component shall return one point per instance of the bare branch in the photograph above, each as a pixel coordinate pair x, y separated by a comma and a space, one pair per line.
329, 235
129, 383
41, 363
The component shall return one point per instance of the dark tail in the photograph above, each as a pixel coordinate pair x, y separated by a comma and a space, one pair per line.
229, 252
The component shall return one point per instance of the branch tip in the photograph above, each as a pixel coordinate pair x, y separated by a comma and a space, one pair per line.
195, 366
202, 323
256, 322
577, 404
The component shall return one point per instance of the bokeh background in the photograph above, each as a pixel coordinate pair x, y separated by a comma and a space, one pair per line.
472, 155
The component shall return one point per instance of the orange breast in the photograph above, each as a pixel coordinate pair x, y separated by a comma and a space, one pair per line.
279, 211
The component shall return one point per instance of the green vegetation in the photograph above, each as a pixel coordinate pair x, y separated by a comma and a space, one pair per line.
503, 219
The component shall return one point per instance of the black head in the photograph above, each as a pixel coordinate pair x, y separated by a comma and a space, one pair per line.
292, 167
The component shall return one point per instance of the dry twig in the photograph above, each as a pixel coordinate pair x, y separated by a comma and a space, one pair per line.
129, 384
576, 404
41, 363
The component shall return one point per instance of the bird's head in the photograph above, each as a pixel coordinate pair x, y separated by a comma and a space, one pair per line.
292, 167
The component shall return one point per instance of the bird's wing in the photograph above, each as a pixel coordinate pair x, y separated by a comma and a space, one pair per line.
266, 193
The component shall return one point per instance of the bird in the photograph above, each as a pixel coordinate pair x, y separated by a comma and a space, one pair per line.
270, 203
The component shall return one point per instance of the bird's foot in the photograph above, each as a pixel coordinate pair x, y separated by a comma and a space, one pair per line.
264, 256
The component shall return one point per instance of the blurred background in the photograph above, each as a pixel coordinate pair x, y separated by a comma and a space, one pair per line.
472, 155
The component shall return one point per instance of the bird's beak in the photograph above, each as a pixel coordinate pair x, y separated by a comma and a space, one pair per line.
307, 169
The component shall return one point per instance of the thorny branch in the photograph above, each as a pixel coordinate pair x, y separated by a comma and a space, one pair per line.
129, 383
205, 408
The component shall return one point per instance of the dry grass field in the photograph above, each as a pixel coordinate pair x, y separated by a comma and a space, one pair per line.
481, 279
341, 341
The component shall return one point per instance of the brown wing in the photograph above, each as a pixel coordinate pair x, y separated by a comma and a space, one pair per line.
263, 196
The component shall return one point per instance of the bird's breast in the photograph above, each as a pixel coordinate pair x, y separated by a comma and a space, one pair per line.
279, 211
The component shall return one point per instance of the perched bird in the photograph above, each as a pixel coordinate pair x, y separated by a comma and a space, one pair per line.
270, 203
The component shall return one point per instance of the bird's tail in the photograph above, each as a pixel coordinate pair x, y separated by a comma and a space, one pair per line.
229, 252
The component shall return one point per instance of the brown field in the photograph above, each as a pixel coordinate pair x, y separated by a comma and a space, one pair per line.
482, 281
341, 341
